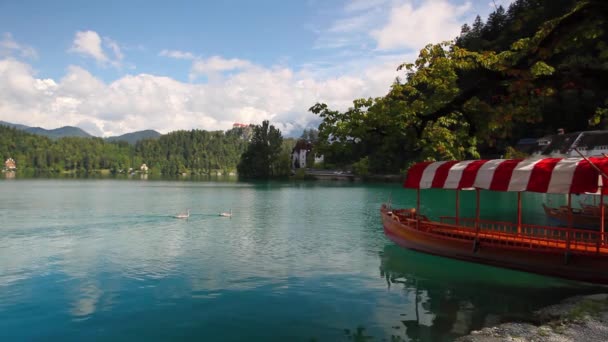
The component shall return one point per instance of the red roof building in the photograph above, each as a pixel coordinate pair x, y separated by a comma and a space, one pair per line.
10, 164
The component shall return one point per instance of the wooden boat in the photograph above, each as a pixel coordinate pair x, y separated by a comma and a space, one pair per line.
579, 254
588, 216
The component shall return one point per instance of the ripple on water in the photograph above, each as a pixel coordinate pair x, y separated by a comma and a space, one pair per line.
106, 260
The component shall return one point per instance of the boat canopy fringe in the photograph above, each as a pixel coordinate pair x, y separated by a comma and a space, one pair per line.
548, 175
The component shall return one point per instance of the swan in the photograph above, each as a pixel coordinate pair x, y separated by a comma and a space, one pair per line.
228, 214
183, 215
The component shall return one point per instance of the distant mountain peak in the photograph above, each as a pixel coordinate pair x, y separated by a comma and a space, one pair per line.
71, 131
134, 137
61, 132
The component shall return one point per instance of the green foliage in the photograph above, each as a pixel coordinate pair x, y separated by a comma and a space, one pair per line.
512, 153
196, 151
539, 66
263, 157
587, 307
193, 152
361, 168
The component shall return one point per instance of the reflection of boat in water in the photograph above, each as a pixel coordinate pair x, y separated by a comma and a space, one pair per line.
564, 252
183, 215
449, 298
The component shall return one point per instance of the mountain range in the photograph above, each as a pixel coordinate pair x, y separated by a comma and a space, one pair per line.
71, 131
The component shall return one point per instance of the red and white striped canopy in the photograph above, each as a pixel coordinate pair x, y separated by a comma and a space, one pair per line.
549, 175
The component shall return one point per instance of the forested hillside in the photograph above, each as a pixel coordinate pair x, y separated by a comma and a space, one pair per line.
536, 67
40, 153
196, 152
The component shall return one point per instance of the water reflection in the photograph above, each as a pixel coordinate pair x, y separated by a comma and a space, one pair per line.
86, 300
450, 298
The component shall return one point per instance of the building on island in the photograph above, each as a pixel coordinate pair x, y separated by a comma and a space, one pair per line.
299, 153
246, 131
143, 168
10, 165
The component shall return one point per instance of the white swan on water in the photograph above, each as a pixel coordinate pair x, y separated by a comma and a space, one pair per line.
183, 215
228, 214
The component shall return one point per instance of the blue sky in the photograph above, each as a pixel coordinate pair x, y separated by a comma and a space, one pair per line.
112, 67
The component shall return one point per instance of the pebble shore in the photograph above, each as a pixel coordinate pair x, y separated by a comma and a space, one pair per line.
581, 318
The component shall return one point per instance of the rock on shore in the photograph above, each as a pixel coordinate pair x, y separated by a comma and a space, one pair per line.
581, 318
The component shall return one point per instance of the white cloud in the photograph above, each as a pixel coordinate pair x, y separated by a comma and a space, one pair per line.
362, 5
215, 65
89, 44
234, 90
8, 47
249, 94
350, 24
177, 54
412, 27
113, 45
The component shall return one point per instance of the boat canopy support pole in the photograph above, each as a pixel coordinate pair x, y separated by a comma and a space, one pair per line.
418, 208
602, 216
477, 212
569, 224
457, 207
519, 212
570, 210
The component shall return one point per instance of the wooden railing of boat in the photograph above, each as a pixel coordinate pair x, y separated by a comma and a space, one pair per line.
507, 235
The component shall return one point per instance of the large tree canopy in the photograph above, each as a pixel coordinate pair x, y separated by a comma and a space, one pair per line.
539, 66
262, 159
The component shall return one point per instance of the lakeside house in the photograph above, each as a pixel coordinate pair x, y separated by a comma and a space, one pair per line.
10, 165
299, 154
589, 143
143, 168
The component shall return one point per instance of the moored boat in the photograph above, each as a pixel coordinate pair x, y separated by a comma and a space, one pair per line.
587, 216
567, 252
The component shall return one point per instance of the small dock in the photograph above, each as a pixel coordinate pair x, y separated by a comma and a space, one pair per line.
331, 175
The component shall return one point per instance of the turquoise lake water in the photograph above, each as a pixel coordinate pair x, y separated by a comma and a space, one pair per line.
105, 260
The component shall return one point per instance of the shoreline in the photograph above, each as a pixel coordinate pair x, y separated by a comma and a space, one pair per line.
579, 318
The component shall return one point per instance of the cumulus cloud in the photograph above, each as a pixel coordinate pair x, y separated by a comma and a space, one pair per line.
412, 27
215, 65
8, 47
89, 44
249, 93
233, 89
395, 25
177, 54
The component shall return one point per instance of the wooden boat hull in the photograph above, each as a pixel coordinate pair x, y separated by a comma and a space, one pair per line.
582, 267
